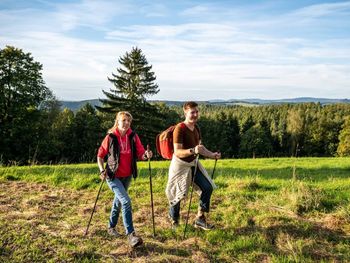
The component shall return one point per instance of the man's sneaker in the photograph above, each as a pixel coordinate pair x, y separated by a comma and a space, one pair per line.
174, 222
134, 240
201, 222
112, 232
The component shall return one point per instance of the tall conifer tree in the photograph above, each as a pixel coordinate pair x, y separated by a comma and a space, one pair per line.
133, 83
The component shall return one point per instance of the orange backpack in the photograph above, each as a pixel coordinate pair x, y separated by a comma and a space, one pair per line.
164, 142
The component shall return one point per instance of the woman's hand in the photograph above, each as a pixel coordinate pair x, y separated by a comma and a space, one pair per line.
147, 155
103, 175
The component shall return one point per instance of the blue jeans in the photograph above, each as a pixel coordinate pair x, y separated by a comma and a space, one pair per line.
121, 201
204, 199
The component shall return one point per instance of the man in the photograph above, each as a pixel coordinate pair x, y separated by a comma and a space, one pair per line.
187, 146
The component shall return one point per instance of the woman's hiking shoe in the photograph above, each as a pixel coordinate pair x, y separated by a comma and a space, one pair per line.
201, 222
112, 232
134, 240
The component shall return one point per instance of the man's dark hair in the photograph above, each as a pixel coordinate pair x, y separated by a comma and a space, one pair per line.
189, 104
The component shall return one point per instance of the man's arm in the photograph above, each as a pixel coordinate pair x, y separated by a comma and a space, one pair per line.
182, 153
199, 149
206, 153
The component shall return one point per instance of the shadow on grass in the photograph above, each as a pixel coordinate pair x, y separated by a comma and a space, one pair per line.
315, 174
86, 256
325, 240
149, 250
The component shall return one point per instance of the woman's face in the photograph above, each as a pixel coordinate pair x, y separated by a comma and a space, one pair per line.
124, 123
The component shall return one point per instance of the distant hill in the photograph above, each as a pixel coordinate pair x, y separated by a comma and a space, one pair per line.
295, 100
76, 105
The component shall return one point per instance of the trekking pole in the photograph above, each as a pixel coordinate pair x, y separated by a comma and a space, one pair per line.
93, 210
212, 174
150, 186
189, 206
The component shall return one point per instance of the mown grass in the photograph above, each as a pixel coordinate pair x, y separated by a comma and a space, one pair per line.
265, 210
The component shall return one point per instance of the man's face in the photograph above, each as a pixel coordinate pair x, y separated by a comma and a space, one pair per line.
192, 114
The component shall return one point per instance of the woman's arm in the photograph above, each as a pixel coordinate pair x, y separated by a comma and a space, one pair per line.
141, 153
103, 172
102, 152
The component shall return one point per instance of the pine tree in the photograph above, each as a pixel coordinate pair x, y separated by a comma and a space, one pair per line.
133, 83
136, 80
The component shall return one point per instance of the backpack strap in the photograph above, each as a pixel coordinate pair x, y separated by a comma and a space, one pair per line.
133, 154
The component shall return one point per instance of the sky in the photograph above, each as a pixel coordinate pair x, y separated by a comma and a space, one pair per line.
199, 50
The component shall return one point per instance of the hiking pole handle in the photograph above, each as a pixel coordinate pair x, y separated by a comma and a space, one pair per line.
93, 210
151, 190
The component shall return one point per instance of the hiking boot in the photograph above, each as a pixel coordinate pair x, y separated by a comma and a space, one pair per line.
134, 240
174, 222
112, 232
201, 222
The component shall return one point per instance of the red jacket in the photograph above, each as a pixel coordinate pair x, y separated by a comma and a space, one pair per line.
124, 168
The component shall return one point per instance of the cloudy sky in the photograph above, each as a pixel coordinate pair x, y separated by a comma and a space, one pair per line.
199, 50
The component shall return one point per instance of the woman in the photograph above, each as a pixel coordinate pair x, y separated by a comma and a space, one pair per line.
123, 148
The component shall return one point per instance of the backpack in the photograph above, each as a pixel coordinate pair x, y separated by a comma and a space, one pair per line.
164, 142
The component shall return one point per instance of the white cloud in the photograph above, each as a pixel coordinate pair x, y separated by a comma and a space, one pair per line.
197, 60
324, 9
95, 14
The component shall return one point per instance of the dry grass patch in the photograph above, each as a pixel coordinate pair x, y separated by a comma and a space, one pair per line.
45, 223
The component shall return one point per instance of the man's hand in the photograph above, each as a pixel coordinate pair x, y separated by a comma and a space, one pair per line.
200, 149
216, 155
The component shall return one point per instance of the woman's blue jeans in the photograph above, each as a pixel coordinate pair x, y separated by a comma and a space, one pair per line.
204, 200
121, 201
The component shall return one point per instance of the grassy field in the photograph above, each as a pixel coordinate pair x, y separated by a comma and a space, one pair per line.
264, 210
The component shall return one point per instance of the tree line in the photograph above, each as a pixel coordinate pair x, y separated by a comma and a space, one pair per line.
308, 129
34, 128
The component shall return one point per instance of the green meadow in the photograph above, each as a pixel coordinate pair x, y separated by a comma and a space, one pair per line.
264, 210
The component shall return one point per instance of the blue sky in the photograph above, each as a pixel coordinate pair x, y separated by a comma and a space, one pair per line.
199, 50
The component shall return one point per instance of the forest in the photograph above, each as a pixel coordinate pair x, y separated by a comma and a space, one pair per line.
34, 129
63, 136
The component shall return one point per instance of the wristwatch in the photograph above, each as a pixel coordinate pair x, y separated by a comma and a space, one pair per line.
192, 150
